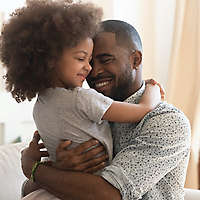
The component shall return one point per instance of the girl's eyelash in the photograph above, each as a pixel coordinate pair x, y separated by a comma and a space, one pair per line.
81, 59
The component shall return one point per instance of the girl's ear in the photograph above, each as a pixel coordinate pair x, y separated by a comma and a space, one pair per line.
136, 59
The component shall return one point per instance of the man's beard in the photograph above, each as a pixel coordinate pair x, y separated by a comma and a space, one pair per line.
125, 83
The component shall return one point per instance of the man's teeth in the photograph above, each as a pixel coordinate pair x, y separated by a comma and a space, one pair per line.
98, 85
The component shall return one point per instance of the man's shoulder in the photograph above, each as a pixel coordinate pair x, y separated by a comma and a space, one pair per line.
165, 114
165, 108
168, 124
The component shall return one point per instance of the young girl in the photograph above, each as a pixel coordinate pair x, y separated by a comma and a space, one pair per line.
46, 48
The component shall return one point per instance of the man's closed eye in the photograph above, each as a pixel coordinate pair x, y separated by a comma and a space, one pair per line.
107, 61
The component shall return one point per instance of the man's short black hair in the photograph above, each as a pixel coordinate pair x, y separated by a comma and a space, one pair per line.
126, 34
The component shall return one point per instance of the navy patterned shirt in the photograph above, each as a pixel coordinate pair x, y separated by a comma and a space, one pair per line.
150, 157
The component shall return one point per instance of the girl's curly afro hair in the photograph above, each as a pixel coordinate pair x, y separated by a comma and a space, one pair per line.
35, 36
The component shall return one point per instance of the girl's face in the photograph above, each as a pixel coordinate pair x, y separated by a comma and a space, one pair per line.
73, 66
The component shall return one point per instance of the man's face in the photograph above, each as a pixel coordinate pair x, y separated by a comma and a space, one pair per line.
111, 72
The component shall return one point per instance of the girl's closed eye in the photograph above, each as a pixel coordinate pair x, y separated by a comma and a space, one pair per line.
84, 59
80, 59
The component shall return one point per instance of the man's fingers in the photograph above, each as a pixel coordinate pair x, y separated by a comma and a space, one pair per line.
96, 168
76, 158
85, 146
94, 162
91, 154
41, 146
44, 154
89, 165
63, 146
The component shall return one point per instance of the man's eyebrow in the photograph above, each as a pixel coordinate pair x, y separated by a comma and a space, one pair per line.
104, 55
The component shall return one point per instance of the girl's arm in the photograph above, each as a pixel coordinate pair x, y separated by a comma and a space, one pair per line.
127, 112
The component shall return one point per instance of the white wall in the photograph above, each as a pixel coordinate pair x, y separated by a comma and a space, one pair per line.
8, 6
164, 20
1, 70
15, 119
1, 133
154, 22
107, 5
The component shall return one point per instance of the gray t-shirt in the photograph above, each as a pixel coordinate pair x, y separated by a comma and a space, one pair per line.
76, 115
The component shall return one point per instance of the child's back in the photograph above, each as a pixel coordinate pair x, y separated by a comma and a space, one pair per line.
64, 114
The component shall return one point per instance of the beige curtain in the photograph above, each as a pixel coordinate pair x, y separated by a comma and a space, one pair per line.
184, 75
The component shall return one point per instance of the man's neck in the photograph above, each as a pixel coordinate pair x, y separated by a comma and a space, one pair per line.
136, 86
135, 97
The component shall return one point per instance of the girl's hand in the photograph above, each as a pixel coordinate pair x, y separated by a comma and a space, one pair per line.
153, 82
151, 97
32, 154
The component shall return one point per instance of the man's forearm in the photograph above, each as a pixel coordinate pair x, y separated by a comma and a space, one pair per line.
31, 186
28, 187
75, 185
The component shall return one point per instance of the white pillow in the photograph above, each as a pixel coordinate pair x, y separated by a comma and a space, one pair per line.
11, 175
192, 194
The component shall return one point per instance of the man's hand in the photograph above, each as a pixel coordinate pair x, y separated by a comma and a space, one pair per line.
80, 158
32, 154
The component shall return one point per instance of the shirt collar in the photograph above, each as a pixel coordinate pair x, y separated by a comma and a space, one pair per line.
134, 98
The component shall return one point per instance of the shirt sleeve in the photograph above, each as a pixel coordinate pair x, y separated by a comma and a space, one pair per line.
161, 145
91, 104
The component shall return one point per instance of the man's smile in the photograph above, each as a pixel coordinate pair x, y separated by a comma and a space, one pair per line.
101, 84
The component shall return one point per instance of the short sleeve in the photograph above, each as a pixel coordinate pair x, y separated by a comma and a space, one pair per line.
91, 104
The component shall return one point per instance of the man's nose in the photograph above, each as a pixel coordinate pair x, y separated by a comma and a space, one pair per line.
96, 69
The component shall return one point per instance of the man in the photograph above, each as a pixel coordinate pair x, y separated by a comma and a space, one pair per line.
150, 157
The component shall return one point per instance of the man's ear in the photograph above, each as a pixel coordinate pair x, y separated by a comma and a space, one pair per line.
136, 59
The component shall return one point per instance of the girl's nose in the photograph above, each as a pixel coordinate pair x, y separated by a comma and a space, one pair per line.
88, 67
